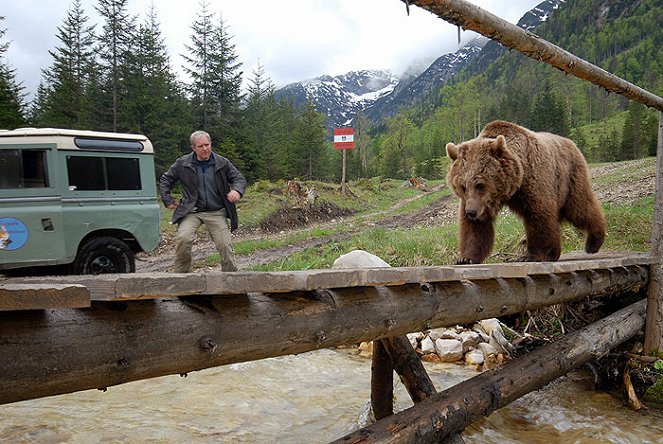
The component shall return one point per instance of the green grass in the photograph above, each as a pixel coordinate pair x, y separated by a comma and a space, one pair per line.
629, 229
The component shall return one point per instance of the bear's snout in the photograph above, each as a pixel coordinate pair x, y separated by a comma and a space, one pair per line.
472, 214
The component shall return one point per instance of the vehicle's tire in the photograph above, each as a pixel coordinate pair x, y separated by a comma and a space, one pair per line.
104, 255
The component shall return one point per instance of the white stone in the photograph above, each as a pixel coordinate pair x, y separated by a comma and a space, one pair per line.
475, 357
470, 339
449, 350
427, 345
487, 349
443, 333
489, 325
414, 339
359, 259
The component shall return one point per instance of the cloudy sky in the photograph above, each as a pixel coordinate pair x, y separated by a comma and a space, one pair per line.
292, 39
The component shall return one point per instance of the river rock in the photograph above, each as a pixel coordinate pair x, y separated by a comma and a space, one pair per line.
443, 333
414, 339
474, 357
427, 345
487, 349
470, 339
449, 350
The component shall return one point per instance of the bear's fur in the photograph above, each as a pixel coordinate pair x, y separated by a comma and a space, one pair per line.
541, 177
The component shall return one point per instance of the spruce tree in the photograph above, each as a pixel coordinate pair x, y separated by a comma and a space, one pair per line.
11, 93
61, 96
116, 44
215, 85
259, 128
308, 144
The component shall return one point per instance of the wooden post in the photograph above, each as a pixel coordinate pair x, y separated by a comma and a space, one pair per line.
654, 328
406, 362
382, 381
343, 174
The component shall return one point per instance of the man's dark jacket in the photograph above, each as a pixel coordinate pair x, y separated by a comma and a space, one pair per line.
184, 170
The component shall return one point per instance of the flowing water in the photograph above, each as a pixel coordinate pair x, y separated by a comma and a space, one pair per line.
309, 398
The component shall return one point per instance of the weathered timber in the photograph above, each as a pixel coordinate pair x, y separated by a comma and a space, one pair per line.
409, 367
654, 330
42, 296
396, 354
120, 287
469, 16
382, 381
51, 352
450, 411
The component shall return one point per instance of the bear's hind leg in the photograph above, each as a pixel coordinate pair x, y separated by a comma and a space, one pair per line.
587, 215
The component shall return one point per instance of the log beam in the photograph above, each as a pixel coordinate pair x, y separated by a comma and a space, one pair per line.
382, 381
654, 330
449, 412
51, 352
469, 16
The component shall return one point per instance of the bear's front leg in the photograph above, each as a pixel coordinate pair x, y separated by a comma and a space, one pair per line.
544, 241
476, 239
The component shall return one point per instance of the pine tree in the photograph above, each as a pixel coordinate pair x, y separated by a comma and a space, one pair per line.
155, 104
116, 44
308, 147
61, 96
11, 93
215, 85
259, 128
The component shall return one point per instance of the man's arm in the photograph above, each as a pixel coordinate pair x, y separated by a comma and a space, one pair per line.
166, 183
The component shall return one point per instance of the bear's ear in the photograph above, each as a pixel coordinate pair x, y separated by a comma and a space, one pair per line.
499, 148
452, 151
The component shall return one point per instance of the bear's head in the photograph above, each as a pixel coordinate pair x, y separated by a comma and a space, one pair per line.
484, 174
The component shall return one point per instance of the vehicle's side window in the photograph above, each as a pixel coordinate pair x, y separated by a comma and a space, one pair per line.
103, 173
23, 169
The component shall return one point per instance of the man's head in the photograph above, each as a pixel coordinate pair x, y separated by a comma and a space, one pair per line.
201, 144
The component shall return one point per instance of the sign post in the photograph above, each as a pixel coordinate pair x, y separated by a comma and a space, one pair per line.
344, 139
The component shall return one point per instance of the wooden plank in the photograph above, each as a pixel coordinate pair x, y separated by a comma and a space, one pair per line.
449, 412
469, 16
42, 296
119, 287
52, 352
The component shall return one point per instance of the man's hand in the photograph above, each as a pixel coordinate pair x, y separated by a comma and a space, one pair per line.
234, 196
172, 206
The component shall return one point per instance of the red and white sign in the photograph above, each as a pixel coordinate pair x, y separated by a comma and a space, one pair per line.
344, 138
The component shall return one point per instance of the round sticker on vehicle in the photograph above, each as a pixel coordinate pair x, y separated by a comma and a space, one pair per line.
13, 234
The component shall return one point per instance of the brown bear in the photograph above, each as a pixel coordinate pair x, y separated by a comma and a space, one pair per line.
541, 177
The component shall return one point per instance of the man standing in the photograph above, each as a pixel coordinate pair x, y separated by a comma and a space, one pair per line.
211, 186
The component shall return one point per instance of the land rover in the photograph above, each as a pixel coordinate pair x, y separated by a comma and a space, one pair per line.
82, 201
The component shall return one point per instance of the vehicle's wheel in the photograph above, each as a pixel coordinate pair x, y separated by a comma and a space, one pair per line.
104, 255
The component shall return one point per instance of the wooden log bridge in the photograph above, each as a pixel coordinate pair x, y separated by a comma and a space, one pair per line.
137, 329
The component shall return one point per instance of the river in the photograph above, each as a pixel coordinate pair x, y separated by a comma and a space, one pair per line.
314, 397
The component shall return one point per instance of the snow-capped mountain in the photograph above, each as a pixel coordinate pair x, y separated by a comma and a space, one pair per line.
409, 90
380, 94
341, 97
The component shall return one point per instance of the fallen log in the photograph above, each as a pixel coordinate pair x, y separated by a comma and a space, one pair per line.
449, 412
50, 352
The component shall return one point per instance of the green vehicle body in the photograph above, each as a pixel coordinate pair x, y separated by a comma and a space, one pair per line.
81, 200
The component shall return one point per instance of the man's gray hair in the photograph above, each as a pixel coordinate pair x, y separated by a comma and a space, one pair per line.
198, 135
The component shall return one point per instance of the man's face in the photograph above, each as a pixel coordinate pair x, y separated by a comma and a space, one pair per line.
203, 148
